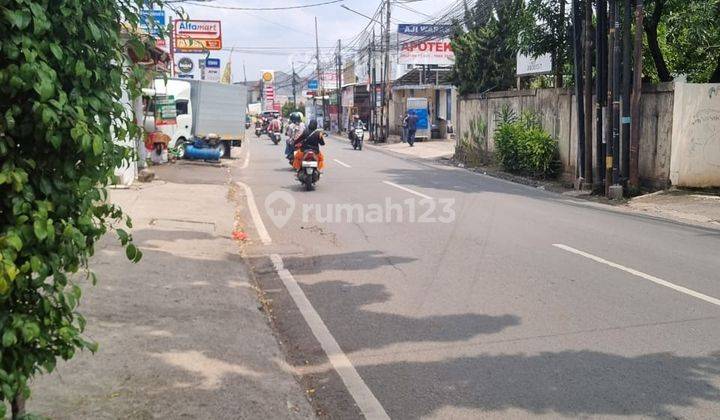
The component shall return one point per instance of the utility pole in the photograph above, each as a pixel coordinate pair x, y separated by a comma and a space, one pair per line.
635, 104
371, 89
244, 73
386, 87
616, 94
577, 50
600, 89
374, 90
610, 93
587, 96
627, 22
339, 85
321, 88
294, 86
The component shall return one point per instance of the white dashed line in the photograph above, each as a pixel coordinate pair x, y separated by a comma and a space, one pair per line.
342, 163
640, 274
419, 194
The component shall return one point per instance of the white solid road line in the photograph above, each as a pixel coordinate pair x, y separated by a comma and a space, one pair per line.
246, 163
419, 194
640, 274
257, 220
364, 398
342, 163
358, 389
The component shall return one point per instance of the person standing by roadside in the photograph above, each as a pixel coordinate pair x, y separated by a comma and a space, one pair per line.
404, 128
412, 120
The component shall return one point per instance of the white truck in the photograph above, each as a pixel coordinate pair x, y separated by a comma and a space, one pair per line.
200, 108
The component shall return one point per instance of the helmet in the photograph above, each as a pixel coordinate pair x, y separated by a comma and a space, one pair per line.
295, 117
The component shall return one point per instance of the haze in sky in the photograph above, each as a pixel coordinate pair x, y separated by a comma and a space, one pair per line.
275, 39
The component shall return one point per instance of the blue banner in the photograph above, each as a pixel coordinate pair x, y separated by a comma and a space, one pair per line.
158, 20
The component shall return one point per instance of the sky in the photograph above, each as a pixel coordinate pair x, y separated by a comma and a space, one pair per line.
293, 30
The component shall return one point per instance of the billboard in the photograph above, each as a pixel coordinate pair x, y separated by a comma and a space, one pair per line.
425, 44
197, 35
538, 65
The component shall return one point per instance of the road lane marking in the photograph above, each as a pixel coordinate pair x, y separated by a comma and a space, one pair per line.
640, 274
255, 214
419, 194
246, 163
342, 163
363, 396
358, 389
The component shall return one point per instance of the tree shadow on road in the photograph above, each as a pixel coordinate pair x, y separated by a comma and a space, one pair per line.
347, 261
571, 383
341, 304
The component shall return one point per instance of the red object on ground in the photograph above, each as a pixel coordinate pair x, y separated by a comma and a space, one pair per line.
239, 235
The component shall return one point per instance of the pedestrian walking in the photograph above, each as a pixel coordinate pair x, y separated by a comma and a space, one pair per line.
412, 120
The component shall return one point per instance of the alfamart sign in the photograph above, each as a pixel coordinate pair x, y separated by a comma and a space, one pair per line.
197, 35
425, 44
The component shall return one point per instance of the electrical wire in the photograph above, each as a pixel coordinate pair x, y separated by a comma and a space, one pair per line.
303, 6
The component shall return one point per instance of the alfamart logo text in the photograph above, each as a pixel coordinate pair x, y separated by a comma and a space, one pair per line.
280, 207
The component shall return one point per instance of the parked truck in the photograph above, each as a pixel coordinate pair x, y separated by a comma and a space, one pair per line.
187, 110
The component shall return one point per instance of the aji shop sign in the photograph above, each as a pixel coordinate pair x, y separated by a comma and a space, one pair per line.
425, 44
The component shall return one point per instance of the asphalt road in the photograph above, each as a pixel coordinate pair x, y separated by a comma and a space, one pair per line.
522, 304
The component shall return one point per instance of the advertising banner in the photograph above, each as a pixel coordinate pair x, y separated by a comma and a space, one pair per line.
328, 80
526, 64
165, 111
425, 44
186, 66
197, 35
209, 69
151, 21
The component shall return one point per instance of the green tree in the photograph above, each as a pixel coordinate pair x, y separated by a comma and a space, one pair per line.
545, 30
63, 73
683, 38
288, 108
485, 50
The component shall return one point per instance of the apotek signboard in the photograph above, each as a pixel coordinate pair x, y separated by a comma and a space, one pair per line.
425, 44
197, 35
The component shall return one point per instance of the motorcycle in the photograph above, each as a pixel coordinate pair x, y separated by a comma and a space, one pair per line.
275, 137
309, 174
358, 134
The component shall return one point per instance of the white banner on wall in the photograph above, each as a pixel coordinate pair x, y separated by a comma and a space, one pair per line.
695, 149
425, 44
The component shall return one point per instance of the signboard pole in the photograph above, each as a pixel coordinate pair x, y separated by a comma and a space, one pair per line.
172, 48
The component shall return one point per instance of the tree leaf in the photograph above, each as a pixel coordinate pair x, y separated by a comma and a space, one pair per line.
14, 241
9, 338
18, 18
131, 252
97, 145
40, 230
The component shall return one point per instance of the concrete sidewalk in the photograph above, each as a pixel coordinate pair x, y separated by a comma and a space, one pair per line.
430, 149
180, 333
702, 207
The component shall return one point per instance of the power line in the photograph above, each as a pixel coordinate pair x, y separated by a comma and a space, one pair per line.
304, 6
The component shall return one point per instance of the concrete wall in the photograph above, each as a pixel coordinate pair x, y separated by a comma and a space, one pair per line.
557, 110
